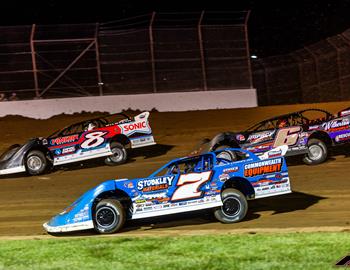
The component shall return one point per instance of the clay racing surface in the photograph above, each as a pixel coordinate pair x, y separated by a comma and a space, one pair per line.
320, 201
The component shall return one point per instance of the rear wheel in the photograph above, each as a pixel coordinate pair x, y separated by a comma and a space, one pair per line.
119, 155
317, 152
109, 216
234, 206
36, 162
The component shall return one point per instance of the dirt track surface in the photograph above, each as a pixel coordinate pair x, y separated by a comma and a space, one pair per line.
320, 201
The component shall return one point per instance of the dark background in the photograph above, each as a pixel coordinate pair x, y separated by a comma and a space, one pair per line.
275, 27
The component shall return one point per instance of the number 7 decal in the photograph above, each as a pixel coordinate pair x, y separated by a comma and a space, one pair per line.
188, 186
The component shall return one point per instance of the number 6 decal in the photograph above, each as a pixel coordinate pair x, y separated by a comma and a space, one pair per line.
287, 136
189, 184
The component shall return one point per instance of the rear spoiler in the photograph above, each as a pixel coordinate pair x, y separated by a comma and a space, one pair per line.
141, 116
279, 151
344, 112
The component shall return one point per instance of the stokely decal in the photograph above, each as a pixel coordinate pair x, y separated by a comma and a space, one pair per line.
263, 167
63, 140
159, 183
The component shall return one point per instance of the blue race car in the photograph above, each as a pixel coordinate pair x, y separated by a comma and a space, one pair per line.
222, 180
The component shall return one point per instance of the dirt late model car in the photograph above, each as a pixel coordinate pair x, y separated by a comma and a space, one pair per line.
308, 132
208, 181
101, 137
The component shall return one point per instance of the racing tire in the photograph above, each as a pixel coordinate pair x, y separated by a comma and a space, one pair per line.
317, 152
119, 155
229, 155
109, 216
36, 162
234, 208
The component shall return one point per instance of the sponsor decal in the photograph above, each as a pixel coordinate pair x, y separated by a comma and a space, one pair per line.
336, 124
260, 136
159, 183
263, 167
129, 185
68, 150
240, 137
223, 177
58, 152
314, 127
64, 140
274, 153
140, 201
133, 126
342, 137
231, 170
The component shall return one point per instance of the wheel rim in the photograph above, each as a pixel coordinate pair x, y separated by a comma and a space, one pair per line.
117, 156
34, 163
231, 206
106, 217
315, 152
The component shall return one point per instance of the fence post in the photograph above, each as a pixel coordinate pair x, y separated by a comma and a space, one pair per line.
35, 71
339, 70
200, 39
151, 41
317, 71
98, 64
247, 49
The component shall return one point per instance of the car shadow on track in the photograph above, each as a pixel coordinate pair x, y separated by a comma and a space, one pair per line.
279, 204
147, 152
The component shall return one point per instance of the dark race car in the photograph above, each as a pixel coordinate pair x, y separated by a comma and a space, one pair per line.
101, 137
308, 132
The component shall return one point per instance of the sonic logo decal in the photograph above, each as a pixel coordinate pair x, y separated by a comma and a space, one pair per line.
189, 184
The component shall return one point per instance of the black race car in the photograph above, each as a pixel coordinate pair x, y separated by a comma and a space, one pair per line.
307, 132
105, 137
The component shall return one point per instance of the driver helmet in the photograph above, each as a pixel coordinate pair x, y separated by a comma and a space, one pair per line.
91, 126
282, 123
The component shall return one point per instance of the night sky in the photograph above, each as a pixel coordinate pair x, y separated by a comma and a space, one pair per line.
275, 27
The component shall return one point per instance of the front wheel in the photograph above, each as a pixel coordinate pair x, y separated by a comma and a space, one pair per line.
119, 155
234, 206
36, 162
109, 216
317, 152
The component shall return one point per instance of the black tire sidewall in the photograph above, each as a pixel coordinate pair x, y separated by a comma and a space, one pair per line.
43, 159
236, 194
115, 206
110, 162
320, 144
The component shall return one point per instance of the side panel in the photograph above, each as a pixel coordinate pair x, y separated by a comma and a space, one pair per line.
171, 194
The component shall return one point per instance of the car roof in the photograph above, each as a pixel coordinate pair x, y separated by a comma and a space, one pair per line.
296, 113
